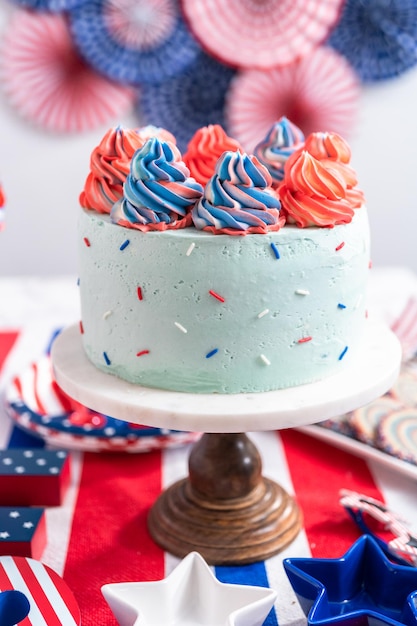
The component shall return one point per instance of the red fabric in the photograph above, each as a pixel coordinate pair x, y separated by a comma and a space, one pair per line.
318, 472
110, 541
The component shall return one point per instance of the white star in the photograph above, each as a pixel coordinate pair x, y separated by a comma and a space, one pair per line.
7, 461
14, 514
191, 596
28, 525
19, 469
4, 534
28, 454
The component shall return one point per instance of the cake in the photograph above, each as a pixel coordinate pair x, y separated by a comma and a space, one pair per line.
235, 286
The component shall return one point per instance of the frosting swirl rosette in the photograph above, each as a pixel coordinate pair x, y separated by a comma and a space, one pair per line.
315, 193
238, 199
204, 150
282, 140
158, 192
109, 166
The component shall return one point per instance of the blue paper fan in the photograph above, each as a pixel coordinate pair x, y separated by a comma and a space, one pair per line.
51, 6
133, 41
193, 99
377, 37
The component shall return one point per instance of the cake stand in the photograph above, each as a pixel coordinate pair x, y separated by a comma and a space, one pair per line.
226, 509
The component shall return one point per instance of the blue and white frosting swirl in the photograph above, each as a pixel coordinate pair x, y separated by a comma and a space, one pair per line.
282, 140
238, 198
158, 192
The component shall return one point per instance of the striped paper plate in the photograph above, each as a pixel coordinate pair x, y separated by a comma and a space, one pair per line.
36, 404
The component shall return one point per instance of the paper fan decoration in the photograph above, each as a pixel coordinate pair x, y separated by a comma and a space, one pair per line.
193, 99
318, 93
2, 203
134, 41
250, 33
379, 39
49, 84
54, 6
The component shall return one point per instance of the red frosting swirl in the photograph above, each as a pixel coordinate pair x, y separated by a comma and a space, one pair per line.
315, 193
204, 150
328, 146
110, 165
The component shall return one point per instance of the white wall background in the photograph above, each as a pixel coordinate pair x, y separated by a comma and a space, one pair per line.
43, 174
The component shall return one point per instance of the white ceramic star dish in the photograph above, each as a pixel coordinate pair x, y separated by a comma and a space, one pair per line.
191, 596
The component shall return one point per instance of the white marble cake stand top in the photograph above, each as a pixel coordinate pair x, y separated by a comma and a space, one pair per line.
371, 374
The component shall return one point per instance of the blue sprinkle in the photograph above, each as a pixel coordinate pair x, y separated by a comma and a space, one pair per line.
106, 358
212, 353
342, 354
341, 306
124, 244
78, 281
275, 250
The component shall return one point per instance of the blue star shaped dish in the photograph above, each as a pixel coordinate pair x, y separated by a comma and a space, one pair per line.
190, 595
363, 587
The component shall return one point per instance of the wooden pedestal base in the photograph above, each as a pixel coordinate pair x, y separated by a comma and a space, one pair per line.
225, 510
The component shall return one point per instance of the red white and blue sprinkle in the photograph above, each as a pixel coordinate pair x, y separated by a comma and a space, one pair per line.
342, 354
142, 353
305, 339
87, 242
190, 249
340, 246
341, 305
265, 359
180, 327
106, 358
140, 294
124, 244
263, 313
212, 353
275, 250
216, 295
302, 292
107, 314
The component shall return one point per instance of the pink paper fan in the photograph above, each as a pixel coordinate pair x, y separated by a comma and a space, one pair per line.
47, 81
250, 33
318, 93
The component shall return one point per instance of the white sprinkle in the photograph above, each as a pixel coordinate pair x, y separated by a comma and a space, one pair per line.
181, 327
262, 313
107, 314
190, 249
302, 292
358, 301
265, 360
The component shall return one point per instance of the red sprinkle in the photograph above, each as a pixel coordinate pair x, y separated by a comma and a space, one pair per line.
87, 242
370, 265
340, 246
140, 294
81, 328
216, 295
304, 339
142, 353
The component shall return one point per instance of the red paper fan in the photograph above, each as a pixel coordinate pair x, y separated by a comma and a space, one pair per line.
318, 93
47, 81
250, 33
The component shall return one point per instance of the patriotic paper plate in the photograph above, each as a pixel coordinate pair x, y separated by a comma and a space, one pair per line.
379, 39
189, 101
249, 33
50, 600
319, 92
49, 84
36, 404
133, 41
